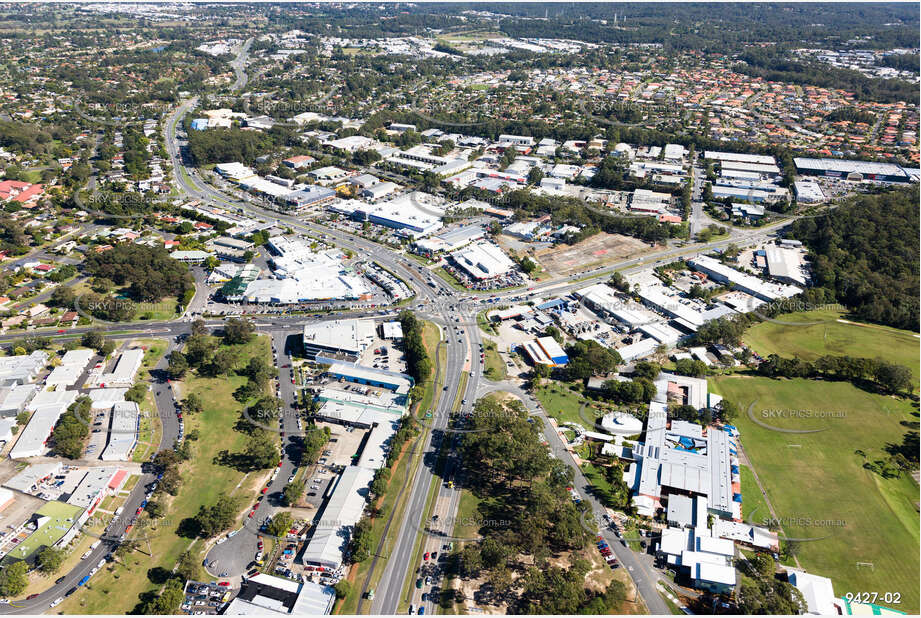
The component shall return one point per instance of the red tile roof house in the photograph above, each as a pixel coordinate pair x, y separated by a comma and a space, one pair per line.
17, 191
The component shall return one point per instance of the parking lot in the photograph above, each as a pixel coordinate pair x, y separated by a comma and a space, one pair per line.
99, 433
382, 354
343, 443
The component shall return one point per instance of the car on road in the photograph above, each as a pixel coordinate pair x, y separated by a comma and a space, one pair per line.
57, 602
31, 596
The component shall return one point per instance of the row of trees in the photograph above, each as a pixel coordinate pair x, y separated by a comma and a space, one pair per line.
418, 362
889, 377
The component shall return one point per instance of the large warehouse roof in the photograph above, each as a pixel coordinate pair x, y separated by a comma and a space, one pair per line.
343, 510
846, 167
738, 156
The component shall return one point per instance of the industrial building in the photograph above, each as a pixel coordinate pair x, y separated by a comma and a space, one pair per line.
22, 369
328, 174
721, 273
760, 196
652, 202
687, 313
193, 256
379, 190
739, 157
392, 330
123, 432
545, 351
32, 439
265, 594
851, 170
122, 375
334, 524
72, 365
13, 399
483, 260
785, 265
339, 340
808, 192
640, 348
399, 383
516, 140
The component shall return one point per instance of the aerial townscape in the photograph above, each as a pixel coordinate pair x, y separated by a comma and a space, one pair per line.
473, 308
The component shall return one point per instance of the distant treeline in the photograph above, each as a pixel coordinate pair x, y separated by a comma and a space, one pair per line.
889, 377
776, 64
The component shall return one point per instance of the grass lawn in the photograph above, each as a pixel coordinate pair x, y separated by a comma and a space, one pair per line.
819, 487
601, 486
560, 402
754, 508
495, 366
484, 324
833, 337
116, 590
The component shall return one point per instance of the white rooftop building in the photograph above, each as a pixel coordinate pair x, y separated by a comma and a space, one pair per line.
818, 592
72, 365
333, 528
483, 260
808, 192
22, 369
339, 339
122, 375
721, 273
123, 432
785, 264
31, 441
265, 594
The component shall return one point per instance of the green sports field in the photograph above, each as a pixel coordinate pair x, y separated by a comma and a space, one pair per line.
829, 335
865, 529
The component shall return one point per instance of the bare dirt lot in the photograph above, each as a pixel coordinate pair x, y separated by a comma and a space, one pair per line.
600, 249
